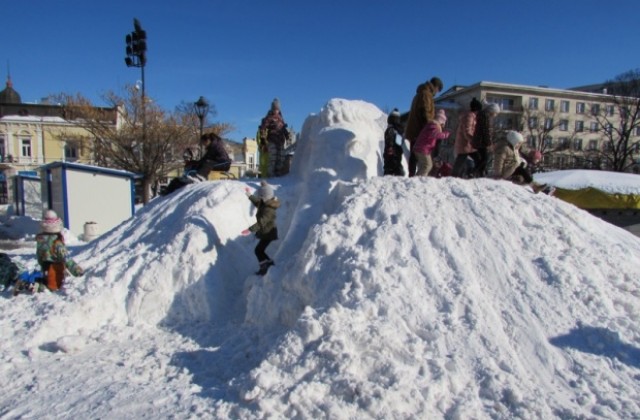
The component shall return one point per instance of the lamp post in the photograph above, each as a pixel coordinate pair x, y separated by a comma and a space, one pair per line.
137, 57
201, 107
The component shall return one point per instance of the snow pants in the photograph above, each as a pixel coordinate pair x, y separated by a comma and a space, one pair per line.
53, 275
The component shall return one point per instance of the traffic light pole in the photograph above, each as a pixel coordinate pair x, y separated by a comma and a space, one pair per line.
137, 57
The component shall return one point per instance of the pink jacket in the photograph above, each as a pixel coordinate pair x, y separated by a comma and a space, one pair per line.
464, 134
431, 133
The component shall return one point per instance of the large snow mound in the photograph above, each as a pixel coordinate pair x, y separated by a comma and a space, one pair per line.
390, 298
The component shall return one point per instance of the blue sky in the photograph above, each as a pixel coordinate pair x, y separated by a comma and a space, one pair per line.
242, 54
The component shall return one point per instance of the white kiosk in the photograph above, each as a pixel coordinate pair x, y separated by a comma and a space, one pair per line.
91, 200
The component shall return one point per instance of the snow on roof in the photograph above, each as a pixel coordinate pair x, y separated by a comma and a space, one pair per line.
32, 118
610, 182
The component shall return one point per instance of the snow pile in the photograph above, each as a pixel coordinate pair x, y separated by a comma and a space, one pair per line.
390, 298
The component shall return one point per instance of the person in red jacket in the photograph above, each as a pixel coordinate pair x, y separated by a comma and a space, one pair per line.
430, 135
464, 134
440, 168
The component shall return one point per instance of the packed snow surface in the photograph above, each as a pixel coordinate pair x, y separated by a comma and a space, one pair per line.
390, 298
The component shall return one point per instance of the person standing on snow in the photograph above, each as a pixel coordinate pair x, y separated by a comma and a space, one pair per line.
265, 227
483, 138
51, 252
464, 134
392, 153
272, 136
422, 111
426, 142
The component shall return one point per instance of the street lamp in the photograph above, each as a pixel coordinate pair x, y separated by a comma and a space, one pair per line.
201, 107
137, 57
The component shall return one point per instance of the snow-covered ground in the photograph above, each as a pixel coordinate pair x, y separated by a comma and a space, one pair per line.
390, 298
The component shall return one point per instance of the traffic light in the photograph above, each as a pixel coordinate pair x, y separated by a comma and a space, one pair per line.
136, 46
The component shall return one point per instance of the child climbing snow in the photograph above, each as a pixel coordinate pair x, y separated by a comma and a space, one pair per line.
51, 252
265, 227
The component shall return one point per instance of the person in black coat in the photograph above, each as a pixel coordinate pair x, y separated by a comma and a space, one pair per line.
393, 138
215, 156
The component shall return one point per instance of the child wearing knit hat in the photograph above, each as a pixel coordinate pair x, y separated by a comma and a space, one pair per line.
392, 153
52, 253
265, 227
427, 140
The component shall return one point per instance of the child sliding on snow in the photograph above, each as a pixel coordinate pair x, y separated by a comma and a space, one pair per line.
265, 227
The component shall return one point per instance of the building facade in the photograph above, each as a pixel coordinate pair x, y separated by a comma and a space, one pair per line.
32, 135
570, 127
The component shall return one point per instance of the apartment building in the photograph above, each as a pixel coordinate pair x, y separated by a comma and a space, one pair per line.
569, 126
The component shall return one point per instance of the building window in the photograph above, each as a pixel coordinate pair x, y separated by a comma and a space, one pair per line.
71, 151
564, 143
26, 148
505, 104
564, 106
3, 150
593, 144
579, 126
610, 110
548, 142
638, 131
533, 103
533, 122
595, 109
563, 125
577, 144
609, 128
593, 127
531, 141
548, 123
549, 105
503, 123
579, 107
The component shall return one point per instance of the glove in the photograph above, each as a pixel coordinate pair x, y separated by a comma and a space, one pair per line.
245, 232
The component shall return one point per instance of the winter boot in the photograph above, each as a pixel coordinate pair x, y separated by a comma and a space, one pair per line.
264, 266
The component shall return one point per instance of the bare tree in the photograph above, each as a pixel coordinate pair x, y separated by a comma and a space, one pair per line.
146, 140
619, 122
539, 123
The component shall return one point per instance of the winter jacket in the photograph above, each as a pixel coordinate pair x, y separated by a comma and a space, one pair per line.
483, 135
428, 138
215, 158
272, 128
392, 153
422, 111
50, 249
265, 226
506, 159
464, 134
